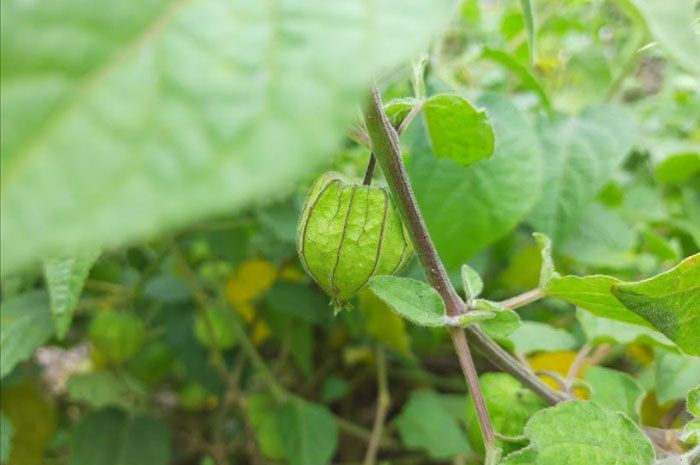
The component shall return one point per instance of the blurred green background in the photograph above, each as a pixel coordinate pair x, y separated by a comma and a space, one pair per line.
155, 157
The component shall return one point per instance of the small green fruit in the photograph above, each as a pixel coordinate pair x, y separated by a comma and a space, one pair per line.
117, 335
348, 233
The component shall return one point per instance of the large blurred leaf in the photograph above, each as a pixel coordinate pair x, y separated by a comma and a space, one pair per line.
458, 131
580, 155
583, 433
65, 278
669, 301
467, 209
112, 437
426, 423
121, 119
671, 23
309, 433
25, 324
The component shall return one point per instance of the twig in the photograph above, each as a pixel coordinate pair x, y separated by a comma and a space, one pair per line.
384, 143
409, 117
599, 353
522, 299
553, 375
369, 172
577, 363
383, 403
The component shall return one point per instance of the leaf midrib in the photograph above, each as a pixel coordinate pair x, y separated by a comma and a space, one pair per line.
83, 88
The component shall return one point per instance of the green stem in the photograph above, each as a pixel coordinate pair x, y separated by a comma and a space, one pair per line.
383, 403
385, 145
384, 141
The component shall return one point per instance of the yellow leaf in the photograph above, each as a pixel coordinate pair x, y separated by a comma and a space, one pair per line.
250, 280
384, 324
33, 418
354, 355
292, 273
246, 310
261, 332
558, 362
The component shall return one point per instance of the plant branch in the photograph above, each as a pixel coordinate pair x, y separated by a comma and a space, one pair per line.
383, 403
385, 145
369, 172
384, 141
522, 299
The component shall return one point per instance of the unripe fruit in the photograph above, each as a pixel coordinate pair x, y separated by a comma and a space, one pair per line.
117, 335
348, 233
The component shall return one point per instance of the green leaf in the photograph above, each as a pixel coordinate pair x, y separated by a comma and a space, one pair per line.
527, 79
472, 282
502, 324
584, 433
216, 326
529, 18
458, 131
334, 388
426, 424
112, 437
533, 336
678, 168
601, 239
25, 324
694, 401
298, 300
547, 270
467, 209
672, 26
669, 301
65, 278
262, 414
414, 300
103, 388
510, 406
6, 433
593, 293
615, 390
600, 330
309, 433
675, 375
384, 324
177, 111
580, 155
690, 434
526, 456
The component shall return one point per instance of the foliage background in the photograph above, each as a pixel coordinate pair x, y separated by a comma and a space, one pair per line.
154, 160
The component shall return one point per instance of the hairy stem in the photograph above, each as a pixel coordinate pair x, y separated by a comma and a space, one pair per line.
522, 299
384, 141
385, 145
